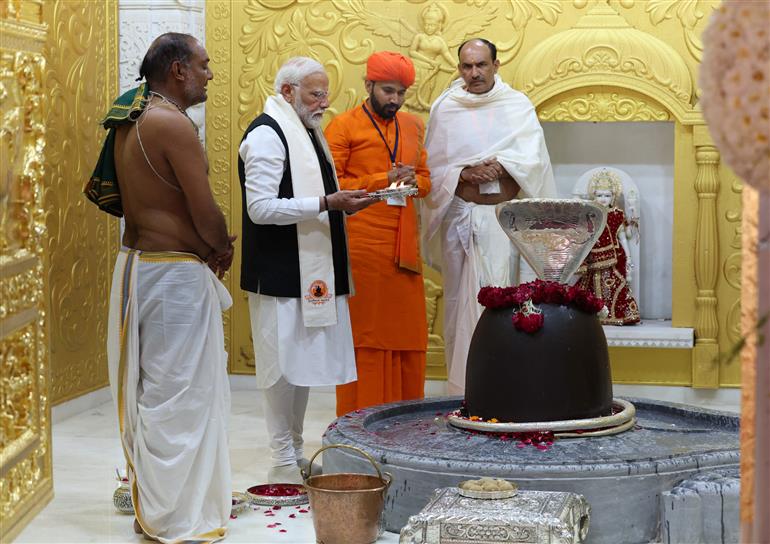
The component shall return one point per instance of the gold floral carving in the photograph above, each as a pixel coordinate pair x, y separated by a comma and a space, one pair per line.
602, 106
19, 418
25, 457
82, 241
345, 32
222, 141
732, 265
19, 292
689, 15
520, 13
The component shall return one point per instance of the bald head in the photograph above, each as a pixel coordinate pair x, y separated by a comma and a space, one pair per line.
479, 41
163, 52
177, 66
478, 65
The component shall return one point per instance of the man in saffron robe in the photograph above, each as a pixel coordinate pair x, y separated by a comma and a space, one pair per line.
374, 145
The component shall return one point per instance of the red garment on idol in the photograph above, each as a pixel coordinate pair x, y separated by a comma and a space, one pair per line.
605, 273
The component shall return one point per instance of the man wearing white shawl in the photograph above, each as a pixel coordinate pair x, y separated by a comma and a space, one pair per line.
294, 263
485, 146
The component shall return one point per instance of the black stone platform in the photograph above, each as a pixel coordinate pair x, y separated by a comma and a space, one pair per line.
622, 476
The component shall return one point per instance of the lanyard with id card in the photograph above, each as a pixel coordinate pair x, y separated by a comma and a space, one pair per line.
393, 200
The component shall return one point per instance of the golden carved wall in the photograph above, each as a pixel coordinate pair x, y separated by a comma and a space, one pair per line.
58, 71
26, 483
81, 80
579, 60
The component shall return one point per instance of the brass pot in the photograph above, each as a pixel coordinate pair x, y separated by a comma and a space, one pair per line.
346, 507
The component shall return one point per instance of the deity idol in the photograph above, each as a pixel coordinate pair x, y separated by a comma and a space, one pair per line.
606, 270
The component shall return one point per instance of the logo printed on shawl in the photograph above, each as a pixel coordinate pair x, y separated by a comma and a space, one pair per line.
318, 293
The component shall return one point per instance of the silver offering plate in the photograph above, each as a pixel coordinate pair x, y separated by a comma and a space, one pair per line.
404, 191
553, 235
260, 495
535, 517
618, 422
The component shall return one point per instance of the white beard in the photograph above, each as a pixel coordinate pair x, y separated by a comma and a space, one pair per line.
310, 118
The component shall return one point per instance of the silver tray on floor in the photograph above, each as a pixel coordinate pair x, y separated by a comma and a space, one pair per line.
277, 494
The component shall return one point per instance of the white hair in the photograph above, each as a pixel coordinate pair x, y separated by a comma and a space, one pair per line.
295, 70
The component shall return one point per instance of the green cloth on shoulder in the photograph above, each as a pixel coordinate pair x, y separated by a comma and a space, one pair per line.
102, 187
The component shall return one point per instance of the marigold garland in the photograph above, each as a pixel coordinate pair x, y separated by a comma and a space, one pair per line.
735, 78
528, 317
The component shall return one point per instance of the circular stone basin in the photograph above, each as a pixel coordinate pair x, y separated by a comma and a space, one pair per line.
621, 476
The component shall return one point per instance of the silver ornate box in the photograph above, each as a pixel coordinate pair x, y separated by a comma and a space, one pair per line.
532, 517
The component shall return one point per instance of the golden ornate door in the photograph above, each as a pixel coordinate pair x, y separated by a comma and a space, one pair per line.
26, 483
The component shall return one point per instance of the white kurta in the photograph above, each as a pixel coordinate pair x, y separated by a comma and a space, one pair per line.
168, 372
465, 240
283, 346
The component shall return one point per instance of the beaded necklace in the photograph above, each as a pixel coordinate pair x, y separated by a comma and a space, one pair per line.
181, 110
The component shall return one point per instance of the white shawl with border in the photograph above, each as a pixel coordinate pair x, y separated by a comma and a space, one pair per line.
316, 266
466, 128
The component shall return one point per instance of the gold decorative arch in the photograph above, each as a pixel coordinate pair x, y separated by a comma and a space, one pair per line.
579, 60
604, 49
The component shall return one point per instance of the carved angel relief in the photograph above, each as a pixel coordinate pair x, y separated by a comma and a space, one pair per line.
429, 45
279, 29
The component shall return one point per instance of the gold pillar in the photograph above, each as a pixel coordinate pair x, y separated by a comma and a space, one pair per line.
705, 355
26, 483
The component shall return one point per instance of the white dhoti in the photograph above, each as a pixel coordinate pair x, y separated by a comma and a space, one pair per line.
168, 372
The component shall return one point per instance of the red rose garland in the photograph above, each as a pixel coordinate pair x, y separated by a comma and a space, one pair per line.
528, 317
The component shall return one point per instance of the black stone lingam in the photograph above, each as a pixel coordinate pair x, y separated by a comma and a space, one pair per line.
560, 372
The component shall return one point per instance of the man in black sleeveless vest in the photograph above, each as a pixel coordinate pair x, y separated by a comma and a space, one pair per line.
294, 263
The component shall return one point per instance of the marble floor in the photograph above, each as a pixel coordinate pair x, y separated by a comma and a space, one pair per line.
86, 451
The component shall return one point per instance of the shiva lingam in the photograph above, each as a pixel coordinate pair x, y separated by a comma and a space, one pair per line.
538, 359
538, 367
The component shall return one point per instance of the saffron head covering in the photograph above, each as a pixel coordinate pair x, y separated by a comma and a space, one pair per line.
390, 66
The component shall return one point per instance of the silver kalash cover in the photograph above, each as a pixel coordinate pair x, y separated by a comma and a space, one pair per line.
553, 235
534, 517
